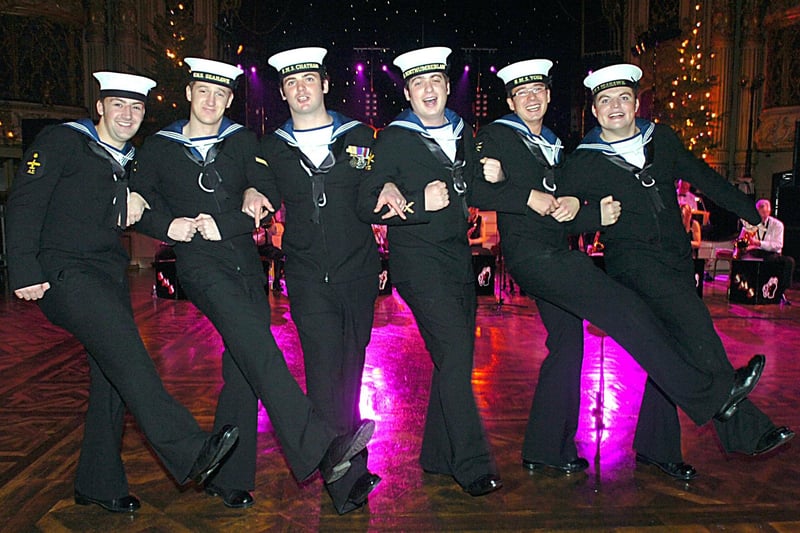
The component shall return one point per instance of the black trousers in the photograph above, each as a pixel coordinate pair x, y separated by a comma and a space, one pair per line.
91, 301
254, 369
334, 323
553, 419
568, 279
454, 442
671, 294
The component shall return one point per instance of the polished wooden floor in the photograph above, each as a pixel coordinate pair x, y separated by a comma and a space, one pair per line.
43, 398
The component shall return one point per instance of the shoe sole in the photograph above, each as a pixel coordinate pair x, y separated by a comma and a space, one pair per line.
229, 439
536, 467
359, 442
730, 411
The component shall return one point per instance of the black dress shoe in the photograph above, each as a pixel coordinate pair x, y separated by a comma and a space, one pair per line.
336, 461
484, 485
233, 498
213, 451
126, 504
772, 439
576, 465
744, 381
682, 471
359, 492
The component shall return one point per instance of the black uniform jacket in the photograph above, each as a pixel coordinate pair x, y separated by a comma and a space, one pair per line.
341, 247
526, 233
429, 244
642, 228
61, 205
168, 179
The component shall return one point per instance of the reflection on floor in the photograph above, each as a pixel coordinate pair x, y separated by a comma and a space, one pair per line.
43, 398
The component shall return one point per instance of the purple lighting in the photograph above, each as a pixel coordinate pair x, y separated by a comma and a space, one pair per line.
360, 67
466, 68
384, 68
253, 70
492, 69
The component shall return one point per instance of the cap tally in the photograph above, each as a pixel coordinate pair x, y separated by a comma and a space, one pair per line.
620, 75
215, 72
529, 71
308, 59
423, 61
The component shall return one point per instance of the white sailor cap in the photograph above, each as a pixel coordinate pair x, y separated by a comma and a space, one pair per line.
620, 75
124, 85
423, 61
213, 71
307, 59
529, 71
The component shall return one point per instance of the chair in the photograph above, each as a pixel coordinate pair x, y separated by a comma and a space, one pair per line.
722, 254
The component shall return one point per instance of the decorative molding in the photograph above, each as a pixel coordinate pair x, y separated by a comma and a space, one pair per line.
776, 131
65, 11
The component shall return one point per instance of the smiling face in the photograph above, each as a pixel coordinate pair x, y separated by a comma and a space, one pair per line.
208, 102
615, 110
427, 94
120, 119
529, 101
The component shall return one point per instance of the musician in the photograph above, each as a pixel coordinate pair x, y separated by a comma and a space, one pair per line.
765, 241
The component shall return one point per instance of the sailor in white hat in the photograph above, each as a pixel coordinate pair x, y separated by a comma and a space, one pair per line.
199, 169
614, 99
66, 212
647, 250
429, 151
319, 158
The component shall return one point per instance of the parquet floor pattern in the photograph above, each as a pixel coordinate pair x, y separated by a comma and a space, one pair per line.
43, 398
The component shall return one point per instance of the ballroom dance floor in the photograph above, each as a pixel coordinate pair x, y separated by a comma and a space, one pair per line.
43, 394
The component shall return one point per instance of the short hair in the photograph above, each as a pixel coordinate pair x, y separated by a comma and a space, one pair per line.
761, 202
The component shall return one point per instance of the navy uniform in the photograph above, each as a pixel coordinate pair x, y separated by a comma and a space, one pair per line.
332, 261
184, 178
648, 251
568, 287
66, 212
431, 268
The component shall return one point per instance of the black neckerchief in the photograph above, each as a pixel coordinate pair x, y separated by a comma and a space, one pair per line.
317, 173
120, 174
642, 175
209, 180
549, 179
456, 167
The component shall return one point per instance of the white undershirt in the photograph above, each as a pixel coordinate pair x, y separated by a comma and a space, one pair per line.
315, 144
443, 135
631, 150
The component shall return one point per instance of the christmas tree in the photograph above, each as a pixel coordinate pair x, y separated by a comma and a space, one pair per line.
687, 88
174, 37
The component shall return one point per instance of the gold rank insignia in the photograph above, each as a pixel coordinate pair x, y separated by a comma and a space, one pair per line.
479, 146
360, 157
33, 164
262, 161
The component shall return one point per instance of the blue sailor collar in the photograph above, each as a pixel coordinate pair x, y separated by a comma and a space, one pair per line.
174, 133
86, 127
341, 125
409, 120
593, 141
547, 138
